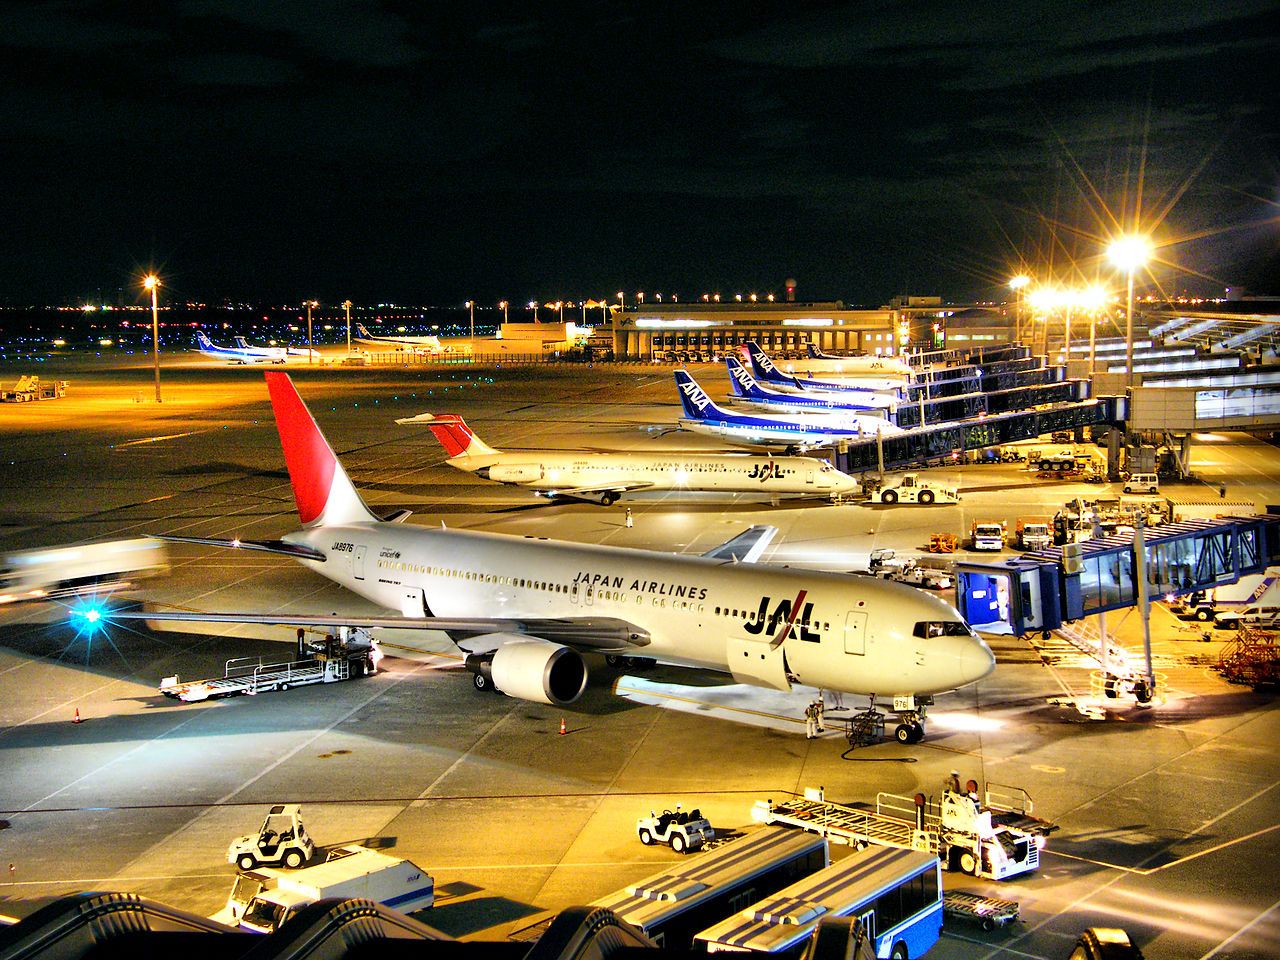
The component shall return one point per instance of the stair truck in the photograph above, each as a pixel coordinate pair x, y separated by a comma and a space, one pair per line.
352, 871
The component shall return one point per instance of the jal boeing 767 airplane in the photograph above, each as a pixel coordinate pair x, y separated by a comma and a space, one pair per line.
525, 609
604, 477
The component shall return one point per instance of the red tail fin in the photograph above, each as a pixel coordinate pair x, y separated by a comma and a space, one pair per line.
453, 433
321, 488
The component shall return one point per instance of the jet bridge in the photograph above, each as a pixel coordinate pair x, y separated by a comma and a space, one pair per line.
1040, 591
968, 405
949, 442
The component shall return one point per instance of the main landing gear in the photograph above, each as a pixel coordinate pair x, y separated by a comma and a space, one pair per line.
910, 713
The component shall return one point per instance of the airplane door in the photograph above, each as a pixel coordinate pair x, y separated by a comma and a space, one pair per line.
359, 562
855, 633
757, 662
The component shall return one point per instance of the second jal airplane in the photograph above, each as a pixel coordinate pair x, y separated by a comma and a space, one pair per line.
747, 391
525, 609
798, 431
423, 344
604, 477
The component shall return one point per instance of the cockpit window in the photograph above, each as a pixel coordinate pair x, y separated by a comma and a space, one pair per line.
941, 628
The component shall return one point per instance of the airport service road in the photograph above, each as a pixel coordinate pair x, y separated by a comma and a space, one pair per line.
1168, 814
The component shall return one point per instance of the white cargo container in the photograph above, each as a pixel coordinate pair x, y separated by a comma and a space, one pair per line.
349, 872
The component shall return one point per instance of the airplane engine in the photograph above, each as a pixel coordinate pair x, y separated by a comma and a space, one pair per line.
515, 472
539, 671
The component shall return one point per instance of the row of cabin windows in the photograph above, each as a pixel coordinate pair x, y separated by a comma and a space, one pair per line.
753, 616
451, 573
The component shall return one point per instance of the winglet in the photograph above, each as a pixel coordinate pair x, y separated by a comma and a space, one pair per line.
323, 492
746, 547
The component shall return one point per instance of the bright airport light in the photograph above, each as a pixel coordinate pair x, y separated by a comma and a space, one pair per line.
1129, 252
1020, 281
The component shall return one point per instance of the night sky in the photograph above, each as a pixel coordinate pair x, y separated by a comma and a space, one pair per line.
430, 152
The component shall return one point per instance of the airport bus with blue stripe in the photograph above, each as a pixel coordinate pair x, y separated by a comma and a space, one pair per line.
671, 906
895, 894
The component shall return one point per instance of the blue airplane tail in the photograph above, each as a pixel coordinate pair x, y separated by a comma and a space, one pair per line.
203, 342
762, 366
363, 332
697, 404
740, 379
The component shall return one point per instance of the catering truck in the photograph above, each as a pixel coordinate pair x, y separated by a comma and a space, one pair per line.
352, 871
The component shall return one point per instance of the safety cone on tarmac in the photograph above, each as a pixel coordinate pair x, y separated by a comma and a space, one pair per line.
77, 719
563, 729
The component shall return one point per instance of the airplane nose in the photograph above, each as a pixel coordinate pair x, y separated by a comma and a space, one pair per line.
976, 660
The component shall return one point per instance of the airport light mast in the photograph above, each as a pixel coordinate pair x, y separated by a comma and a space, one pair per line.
310, 350
1129, 253
503, 304
1016, 284
152, 283
346, 305
471, 306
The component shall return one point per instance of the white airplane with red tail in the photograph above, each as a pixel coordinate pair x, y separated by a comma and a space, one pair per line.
525, 610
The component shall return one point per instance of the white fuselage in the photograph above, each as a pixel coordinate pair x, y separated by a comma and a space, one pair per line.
797, 429
736, 473
852, 634
868, 368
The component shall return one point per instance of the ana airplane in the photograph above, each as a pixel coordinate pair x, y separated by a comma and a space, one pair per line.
242, 353
426, 344
604, 477
746, 390
766, 370
525, 609
797, 430
819, 362
243, 344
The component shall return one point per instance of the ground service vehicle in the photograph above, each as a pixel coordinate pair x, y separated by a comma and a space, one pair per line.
349, 872
911, 489
1142, 483
282, 840
52, 572
1265, 616
895, 893
1034, 533
995, 838
884, 564
683, 832
352, 654
987, 535
674, 905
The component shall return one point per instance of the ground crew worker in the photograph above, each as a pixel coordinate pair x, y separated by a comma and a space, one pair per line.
630, 520
302, 643
822, 709
952, 783
811, 720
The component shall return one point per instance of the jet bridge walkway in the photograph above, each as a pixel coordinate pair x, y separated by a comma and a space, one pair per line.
969, 405
1045, 589
949, 442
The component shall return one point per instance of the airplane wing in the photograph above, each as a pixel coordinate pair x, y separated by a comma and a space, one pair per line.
295, 550
746, 547
598, 634
623, 487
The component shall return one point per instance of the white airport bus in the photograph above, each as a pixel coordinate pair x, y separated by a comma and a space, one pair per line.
896, 894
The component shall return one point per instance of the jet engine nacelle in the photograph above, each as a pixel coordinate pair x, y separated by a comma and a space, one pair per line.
540, 671
515, 472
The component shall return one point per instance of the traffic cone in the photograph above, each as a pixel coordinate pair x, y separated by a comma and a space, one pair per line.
563, 729
77, 719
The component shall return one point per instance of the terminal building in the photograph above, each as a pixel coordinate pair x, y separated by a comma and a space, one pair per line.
702, 330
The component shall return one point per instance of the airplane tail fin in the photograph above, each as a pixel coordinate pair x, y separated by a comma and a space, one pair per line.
360, 329
761, 364
242, 343
323, 492
202, 341
454, 435
814, 353
697, 404
740, 378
